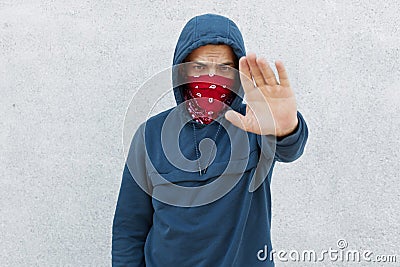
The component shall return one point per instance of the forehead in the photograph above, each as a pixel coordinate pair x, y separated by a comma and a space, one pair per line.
212, 52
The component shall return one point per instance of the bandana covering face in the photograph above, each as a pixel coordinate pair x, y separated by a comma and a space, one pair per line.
208, 96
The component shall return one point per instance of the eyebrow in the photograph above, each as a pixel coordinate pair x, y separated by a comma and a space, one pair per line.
199, 63
227, 63
220, 64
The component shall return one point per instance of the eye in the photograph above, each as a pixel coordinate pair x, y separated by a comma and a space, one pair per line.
198, 67
225, 68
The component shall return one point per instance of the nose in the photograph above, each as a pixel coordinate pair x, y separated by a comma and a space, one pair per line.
212, 70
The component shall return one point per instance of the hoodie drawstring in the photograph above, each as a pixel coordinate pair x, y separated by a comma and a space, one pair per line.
197, 150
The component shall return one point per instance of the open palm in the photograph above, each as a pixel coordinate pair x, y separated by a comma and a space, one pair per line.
271, 105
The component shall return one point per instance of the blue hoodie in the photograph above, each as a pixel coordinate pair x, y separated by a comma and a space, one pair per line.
229, 231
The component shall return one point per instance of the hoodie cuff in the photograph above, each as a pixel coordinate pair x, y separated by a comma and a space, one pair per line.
294, 136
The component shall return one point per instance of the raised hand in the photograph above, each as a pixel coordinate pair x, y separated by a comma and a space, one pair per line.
271, 105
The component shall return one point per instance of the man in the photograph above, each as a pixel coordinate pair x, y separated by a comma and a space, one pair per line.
157, 223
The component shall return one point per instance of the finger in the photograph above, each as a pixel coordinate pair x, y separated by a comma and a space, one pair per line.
255, 70
236, 119
245, 76
269, 75
283, 77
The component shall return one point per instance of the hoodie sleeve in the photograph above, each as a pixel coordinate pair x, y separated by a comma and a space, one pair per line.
291, 147
134, 211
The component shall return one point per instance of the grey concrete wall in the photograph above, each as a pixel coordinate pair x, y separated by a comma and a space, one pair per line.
68, 70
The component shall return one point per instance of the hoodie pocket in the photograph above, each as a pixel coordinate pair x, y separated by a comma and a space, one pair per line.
214, 171
189, 189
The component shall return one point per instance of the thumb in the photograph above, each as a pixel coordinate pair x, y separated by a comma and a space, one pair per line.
236, 119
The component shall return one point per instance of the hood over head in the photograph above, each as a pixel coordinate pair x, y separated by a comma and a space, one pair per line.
202, 30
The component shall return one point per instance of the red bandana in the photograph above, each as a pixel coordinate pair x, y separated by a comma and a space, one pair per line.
208, 96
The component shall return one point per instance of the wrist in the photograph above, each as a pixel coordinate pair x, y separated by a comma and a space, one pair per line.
288, 131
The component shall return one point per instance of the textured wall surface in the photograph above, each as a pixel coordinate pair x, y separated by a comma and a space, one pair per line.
68, 70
